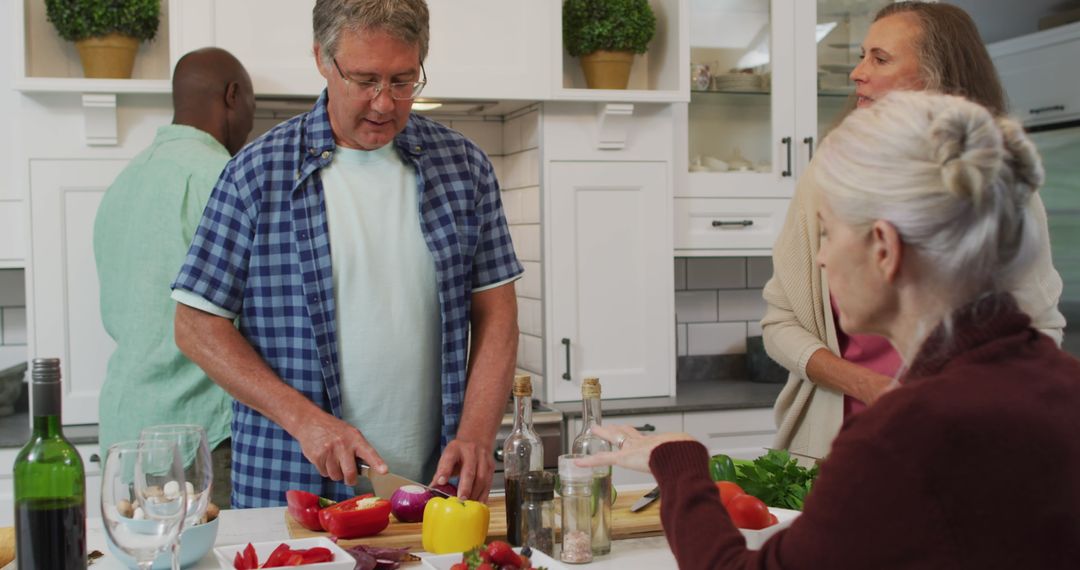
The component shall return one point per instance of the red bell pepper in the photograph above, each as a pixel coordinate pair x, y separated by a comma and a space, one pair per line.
304, 508
357, 517
246, 559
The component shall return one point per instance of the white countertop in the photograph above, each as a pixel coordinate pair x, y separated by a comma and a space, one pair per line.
241, 526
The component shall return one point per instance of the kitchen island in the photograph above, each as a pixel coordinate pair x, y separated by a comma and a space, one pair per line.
260, 525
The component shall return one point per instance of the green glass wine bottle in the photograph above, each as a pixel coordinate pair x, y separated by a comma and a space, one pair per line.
50, 486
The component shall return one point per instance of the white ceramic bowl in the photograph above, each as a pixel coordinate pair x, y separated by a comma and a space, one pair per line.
195, 542
342, 560
756, 538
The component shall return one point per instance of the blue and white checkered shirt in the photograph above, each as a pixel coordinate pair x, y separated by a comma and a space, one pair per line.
262, 252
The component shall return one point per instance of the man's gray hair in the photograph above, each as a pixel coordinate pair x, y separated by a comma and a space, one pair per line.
406, 20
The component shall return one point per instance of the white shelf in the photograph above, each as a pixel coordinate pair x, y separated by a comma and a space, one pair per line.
81, 85
622, 95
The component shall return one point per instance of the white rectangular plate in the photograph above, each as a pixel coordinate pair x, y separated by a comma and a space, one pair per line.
342, 560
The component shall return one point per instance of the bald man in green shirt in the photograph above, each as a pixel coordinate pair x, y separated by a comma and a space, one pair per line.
142, 231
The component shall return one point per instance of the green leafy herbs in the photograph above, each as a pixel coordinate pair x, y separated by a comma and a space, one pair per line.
613, 25
80, 19
776, 479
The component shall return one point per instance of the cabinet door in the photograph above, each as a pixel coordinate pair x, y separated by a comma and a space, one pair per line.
12, 248
740, 136
271, 37
478, 49
490, 49
610, 298
66, 322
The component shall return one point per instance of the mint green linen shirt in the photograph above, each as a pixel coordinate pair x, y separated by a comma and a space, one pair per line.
142, 231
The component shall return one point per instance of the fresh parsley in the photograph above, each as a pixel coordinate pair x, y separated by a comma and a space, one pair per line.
776, 479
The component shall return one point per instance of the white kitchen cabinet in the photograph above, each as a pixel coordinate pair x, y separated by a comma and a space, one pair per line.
66, 322
609, 299
478, 49
12, 240
742, 434
91, 467
776, 80
1039, 74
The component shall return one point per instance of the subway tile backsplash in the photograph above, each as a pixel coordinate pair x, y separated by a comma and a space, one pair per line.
718, 303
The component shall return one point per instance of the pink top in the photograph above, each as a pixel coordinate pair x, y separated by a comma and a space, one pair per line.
866, 350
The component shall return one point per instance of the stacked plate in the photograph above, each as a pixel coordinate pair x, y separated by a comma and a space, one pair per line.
737, 82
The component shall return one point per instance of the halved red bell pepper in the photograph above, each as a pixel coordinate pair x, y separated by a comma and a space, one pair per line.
357, 517
304, 508
246, 559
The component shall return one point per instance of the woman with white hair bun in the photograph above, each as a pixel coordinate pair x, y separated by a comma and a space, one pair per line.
973, 461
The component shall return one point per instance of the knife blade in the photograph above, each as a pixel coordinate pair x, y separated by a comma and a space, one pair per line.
645, 500
384, 484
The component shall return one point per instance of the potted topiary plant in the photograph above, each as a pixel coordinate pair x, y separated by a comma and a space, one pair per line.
605, 35
106, 32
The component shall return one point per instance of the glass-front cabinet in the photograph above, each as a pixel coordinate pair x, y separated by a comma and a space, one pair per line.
767, 79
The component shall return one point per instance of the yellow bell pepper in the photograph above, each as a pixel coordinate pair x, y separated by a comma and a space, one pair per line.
453, 525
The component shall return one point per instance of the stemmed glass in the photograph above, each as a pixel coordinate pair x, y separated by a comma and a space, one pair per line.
143, 497
195, 458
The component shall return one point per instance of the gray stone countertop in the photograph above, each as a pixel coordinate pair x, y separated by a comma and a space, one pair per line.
15, 431
699, 396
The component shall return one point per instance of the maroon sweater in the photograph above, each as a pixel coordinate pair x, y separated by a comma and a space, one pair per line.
973, 463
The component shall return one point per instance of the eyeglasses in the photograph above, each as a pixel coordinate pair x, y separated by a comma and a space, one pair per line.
368, 90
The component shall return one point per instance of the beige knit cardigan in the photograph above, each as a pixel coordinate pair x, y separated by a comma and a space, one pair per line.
799, 321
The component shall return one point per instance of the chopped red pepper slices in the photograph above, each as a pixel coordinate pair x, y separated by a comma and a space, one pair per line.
281, 556
304, 508
357, 517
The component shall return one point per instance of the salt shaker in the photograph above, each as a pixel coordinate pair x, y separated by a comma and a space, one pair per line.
576, 490
538, 512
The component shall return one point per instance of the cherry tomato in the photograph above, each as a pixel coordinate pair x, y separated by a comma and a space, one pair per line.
748, 512
728, 490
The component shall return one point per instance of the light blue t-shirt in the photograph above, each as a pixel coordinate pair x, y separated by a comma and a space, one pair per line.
387, 307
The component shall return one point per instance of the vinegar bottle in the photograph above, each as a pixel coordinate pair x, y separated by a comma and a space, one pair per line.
587, 443
50, 488
522, 453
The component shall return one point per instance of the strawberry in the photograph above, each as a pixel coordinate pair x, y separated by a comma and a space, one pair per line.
502, 554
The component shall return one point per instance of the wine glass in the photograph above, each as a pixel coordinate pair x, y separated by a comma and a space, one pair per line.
143, 497
195, 458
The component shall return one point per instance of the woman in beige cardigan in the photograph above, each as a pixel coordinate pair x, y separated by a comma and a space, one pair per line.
910, 46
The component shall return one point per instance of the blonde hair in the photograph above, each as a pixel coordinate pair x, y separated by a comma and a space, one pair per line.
952, 179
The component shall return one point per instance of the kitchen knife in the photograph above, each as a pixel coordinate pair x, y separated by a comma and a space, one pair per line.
384, 484
645, 500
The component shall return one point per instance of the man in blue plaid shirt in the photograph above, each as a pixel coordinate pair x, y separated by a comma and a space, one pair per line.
363, 255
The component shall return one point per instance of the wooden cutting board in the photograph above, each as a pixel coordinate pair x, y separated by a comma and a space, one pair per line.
624, 524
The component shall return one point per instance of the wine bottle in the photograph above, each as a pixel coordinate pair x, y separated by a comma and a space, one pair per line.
50, 486
588, 443
522, 453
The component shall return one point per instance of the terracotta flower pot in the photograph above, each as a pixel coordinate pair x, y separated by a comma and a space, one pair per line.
607, 69
108, 57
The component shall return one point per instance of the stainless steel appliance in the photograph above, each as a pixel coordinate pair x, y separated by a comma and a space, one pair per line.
548, 424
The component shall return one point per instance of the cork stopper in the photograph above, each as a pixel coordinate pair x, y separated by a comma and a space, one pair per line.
522, 386
590, 388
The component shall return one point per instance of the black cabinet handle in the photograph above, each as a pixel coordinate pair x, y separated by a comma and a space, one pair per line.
646, 427
732, 223
1046, 109
787, 142
809, 141
566, 375
95, 459
499, 455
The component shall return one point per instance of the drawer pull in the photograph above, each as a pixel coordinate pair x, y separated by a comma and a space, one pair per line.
732, 223
1046, 109
95, 459
499, 455
646, 427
